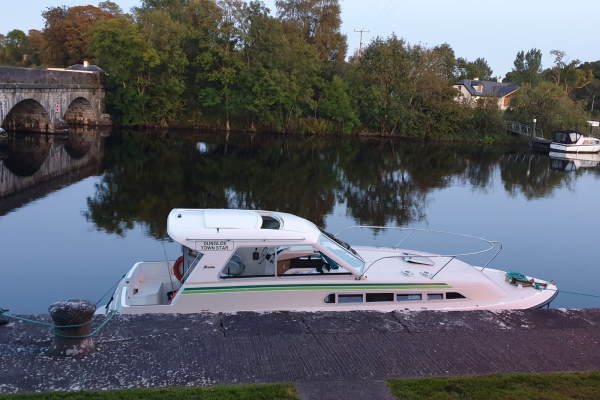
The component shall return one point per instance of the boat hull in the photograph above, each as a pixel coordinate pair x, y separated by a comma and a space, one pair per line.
302, 295
574, 148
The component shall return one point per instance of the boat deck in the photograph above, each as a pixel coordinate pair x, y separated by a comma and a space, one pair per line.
206, 349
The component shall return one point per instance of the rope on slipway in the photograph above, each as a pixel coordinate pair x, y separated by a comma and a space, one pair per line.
5, 313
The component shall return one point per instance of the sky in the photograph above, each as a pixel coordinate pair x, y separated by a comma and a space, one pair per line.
493, 29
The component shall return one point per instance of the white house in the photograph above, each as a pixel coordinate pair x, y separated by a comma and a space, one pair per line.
471, 90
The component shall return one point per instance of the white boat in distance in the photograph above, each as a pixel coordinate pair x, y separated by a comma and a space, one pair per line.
574, 142
243, 260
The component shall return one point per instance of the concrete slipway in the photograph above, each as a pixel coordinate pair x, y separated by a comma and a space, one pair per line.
319, 352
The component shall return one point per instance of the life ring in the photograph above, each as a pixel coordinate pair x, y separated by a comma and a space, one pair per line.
177, 269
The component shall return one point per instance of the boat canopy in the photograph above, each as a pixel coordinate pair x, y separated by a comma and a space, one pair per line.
566, 137
187, 226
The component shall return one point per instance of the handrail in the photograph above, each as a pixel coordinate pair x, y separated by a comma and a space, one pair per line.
492, 244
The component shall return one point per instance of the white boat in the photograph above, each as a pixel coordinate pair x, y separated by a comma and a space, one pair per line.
574, 142
243, 260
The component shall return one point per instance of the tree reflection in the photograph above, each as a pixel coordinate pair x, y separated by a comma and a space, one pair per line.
379, 182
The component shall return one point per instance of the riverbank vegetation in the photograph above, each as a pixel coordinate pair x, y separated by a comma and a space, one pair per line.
233, 64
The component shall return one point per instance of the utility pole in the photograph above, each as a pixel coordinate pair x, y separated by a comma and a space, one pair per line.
361, 31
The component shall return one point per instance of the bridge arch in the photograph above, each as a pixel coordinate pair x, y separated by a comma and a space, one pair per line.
27, 115
27, 154
80, 112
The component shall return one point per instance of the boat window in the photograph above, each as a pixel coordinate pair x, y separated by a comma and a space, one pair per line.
190, 260
435, 296
373, 297
345, 253
409, 297
251, 262
454, 295
350, 298
305, 260
330, 298
269, 222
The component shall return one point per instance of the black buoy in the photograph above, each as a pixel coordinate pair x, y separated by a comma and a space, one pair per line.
73, 323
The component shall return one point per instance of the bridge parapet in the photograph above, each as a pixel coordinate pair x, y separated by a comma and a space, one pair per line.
48, 100
50, 77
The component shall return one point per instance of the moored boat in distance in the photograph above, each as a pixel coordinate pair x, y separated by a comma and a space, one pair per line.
244, 260
574, 142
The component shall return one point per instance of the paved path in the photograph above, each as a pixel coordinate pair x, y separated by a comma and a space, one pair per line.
315, 351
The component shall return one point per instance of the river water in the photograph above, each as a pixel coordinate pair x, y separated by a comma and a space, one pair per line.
77, 211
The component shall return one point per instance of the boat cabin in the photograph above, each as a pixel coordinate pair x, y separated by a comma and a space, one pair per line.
233, 244
566, 137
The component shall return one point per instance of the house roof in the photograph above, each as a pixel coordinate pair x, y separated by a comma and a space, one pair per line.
489, 88
81, 67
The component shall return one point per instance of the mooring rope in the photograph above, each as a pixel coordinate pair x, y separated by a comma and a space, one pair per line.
5, 313
111, 290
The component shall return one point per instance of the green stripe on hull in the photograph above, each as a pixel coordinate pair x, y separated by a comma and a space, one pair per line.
271, 288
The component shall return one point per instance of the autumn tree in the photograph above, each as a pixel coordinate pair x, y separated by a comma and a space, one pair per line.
66, 33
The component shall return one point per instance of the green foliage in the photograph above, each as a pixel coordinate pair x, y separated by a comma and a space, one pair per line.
336, 105
478, 69
400, 89
550, 105
566, 386
241, 392
232, 64
527, 69
121, 49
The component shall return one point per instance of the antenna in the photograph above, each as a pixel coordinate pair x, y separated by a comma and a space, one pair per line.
361, 31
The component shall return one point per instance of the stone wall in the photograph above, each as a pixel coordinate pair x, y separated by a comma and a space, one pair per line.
40, 100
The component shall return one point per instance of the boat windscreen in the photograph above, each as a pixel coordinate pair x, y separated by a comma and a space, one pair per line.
347, 254
566, 137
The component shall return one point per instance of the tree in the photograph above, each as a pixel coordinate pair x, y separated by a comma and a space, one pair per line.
166, 66
336, 105
120, 49
66, 33
550, 105
14, 46
401, 88
478, 69
527, 68
319, 23
448, 63
110, 7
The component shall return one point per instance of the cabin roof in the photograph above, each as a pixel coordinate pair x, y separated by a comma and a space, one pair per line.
186, 226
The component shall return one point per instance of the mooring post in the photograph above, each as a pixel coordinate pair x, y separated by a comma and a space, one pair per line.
73, 323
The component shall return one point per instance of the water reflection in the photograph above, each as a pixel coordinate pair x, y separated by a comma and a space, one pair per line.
33, 165
378, 182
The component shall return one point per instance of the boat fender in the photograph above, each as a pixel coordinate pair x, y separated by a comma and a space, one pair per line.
177, 271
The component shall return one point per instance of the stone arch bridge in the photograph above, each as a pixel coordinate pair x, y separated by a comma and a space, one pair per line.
42, 100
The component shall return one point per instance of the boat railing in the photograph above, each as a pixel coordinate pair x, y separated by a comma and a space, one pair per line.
493, 247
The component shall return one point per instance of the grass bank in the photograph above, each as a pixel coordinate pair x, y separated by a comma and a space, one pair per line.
241, 392
562, 386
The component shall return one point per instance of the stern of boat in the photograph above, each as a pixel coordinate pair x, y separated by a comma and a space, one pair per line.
146, 284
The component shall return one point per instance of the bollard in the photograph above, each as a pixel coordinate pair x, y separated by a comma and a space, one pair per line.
69, 341
3, 320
